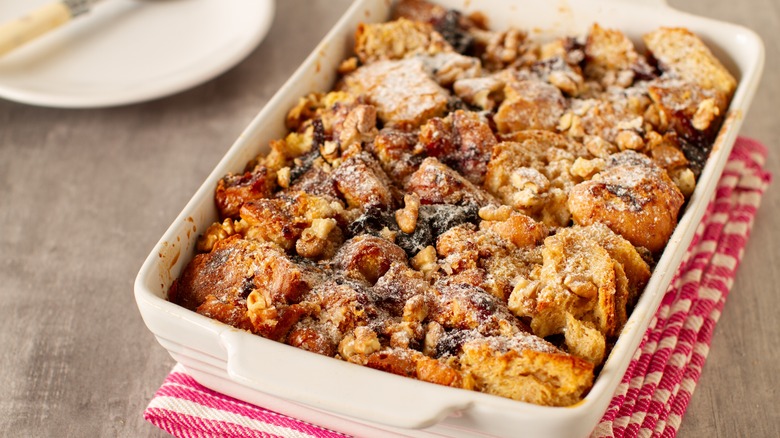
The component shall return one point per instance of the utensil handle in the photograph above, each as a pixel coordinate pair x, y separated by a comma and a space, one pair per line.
393, 401
36, 23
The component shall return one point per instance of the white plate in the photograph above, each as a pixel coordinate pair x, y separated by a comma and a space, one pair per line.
128, 51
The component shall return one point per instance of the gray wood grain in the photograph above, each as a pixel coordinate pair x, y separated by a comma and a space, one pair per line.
85, 194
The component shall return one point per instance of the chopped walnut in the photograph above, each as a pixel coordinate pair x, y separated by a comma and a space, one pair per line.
329, 151
358, 127
405, 333
684, 179
261, 310
530, 179
706, 112
575, 128
627, 139
415, 309
357, 346
433, 335
567, 83
348, 65
484, 92
314, 240
407, 217
585, 168
447, 68
523, 296
388, 234
303, 111
425, 260
501, 48
283, 177
564, 123
219, 231
598, 146
495, 213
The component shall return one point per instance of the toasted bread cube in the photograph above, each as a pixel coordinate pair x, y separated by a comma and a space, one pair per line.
403, 91
436, 183
363, 183
396, 40
368, 258
529, 104
526, 368
681, 53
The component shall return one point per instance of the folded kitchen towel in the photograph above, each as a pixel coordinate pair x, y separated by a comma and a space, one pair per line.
658, 384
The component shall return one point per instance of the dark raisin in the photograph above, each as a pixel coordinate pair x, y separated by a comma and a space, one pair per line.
442, 217
303, 164
455, 103
696, 153
372, 222
485, 303
319, 136
451, 343
433, 221
644, 71
449, 26
247, 286
418, 240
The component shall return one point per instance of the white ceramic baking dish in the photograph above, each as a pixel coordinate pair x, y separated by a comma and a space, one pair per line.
366, 402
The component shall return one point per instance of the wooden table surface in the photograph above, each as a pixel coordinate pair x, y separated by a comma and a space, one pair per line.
85, 194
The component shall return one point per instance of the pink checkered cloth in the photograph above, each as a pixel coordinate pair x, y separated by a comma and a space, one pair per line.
658, 384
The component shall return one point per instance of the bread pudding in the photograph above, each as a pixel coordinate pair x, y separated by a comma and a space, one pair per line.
467, 207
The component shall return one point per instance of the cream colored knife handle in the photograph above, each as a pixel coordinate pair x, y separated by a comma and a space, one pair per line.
33, 25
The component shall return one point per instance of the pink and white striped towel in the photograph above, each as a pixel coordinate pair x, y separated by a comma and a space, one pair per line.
658, 384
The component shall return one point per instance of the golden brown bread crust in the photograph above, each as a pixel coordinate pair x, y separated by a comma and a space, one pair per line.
463, 140
577, 277
609, 50
683, 54
633, 197
225, 282
367, 258
394, 148
464, 194
412, 363
526, 368
235, 190
519, 229
436, 183
396, 40
237, 266
363, 183
612, 58
465, 307
688, 109
231, 313
403, 92
634, 265
529, 104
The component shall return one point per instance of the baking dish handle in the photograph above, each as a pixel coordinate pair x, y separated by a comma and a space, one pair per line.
318, 381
